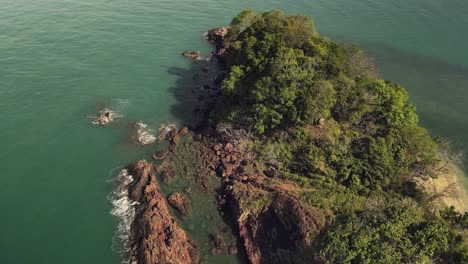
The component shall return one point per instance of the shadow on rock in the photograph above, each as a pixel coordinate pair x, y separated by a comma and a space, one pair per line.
195, 90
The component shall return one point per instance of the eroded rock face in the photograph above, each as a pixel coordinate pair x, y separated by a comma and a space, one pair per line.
275, 228
180, 203
218, 37
156, 237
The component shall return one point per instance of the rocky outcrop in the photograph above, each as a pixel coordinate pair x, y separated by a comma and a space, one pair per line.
191, 54
218, 37
274, 227
180, 203
105, 117
174, 139
156, 237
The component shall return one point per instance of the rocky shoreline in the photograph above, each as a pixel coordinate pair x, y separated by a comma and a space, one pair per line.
156, 236
270, 222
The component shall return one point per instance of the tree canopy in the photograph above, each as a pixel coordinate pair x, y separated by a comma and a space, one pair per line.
322, 115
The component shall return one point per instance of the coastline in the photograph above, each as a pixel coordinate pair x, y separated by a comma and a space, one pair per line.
449, 189
275, 217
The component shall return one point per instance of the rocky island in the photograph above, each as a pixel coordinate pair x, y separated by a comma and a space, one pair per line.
308, 154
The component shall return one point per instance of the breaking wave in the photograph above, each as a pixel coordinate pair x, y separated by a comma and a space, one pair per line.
143, 134
124, 209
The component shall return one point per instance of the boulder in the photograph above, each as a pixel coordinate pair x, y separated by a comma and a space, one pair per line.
105, 117
156, 237
191, 54
179, 202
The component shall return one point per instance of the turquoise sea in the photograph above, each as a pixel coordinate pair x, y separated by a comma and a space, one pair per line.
62, 60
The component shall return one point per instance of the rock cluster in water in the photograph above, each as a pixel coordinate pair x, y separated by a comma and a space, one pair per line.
273, 226
156, 237
105, 117
191, 54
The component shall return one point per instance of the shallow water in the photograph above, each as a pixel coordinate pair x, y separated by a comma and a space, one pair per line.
62, 61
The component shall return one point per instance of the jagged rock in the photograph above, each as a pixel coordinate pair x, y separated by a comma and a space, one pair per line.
281, 229
160, 155
191, 54
179, 202
105, 117
218, 37
217, 34
156, 237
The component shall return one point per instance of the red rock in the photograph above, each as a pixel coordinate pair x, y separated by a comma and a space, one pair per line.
180, 203
156, 236
280, 230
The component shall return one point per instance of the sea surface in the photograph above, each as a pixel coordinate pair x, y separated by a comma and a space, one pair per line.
63, 60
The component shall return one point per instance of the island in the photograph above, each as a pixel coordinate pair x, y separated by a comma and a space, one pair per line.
308, 155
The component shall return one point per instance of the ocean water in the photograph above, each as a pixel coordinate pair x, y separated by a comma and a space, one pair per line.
62, 61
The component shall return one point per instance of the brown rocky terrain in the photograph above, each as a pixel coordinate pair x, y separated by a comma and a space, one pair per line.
272, 224
179, 202
156, 237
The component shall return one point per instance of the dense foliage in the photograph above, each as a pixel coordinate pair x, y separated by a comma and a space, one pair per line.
323, 118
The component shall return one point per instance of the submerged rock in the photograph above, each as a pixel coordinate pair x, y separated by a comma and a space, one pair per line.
160, 155
191, 54
167, 173
156, 236
105, 117
219, 245
179, 202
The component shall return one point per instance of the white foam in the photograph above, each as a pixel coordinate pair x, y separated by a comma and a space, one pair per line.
144, 135
124, 209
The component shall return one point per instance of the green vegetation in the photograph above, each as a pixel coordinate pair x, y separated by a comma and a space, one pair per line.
320, 114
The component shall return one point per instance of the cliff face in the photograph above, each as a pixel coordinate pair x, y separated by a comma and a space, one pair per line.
156, 236
274, 226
